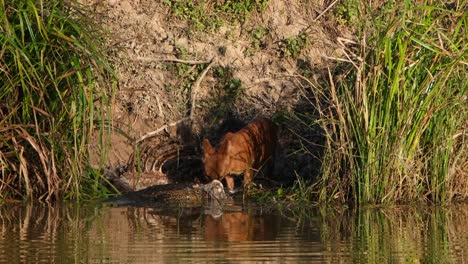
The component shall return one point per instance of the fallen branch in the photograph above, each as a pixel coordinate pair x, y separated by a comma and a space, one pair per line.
148, 59
195, 87
159, 106
157, 131
326, 9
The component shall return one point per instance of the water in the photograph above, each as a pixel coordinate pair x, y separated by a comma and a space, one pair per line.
106, 234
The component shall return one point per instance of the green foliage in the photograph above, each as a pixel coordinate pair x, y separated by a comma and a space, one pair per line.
347, 12
239, 10
186, 74
226, 93
305, 69
293, 46
55, 91
211, 15
300, 192
229, 90
197, 14
230, 85
396, 124
258, 38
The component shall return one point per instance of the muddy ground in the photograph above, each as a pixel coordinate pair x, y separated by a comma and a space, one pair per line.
250, 73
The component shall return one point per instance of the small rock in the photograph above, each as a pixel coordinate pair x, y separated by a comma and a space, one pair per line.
113, 2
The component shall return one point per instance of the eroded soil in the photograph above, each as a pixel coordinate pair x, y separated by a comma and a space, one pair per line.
248, 57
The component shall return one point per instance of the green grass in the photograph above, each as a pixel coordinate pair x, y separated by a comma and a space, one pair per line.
258, 40
347, 12
186, 74
396, 125
211, 15
226, 93
54, 96
293, 46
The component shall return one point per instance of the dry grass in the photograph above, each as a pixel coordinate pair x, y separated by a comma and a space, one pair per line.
55, 89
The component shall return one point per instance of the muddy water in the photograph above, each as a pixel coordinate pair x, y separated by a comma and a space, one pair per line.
106, 234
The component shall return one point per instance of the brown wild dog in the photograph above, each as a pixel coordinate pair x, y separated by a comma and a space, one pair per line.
246, 151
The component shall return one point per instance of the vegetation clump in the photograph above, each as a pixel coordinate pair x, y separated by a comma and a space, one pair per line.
227, 92
347, 12
186, 75
55, 90
293, 46
396, 123
258, 40
211, 15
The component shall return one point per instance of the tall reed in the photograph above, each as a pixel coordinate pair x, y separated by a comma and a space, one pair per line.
396, 125
55, 86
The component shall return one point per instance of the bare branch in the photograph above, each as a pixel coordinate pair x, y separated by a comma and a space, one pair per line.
149, 59
326, 9
157, 131
195, 87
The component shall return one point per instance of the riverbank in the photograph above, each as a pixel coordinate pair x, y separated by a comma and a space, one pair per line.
370, 100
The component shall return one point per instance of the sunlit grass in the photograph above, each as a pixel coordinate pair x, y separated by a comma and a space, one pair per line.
396, 124
56, 85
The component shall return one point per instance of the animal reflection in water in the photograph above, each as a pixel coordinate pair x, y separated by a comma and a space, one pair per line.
239, 226
221, 218
232, 226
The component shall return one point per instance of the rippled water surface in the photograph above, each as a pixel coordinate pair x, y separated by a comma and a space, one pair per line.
106, 234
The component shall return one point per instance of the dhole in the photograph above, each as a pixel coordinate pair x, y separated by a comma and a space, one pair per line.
245, 151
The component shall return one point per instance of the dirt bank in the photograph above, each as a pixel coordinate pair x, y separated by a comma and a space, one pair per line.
253, 64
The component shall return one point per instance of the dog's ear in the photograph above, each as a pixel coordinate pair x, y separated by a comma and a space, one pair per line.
207, 148
228, 145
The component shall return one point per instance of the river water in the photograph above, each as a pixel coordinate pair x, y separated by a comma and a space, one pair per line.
100, 233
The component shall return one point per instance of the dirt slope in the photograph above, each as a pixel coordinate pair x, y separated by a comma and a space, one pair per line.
252, 71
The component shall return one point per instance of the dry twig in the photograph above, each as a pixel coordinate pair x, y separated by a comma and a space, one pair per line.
149, 59
326, 9
195, 87
193, 98
157, 131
